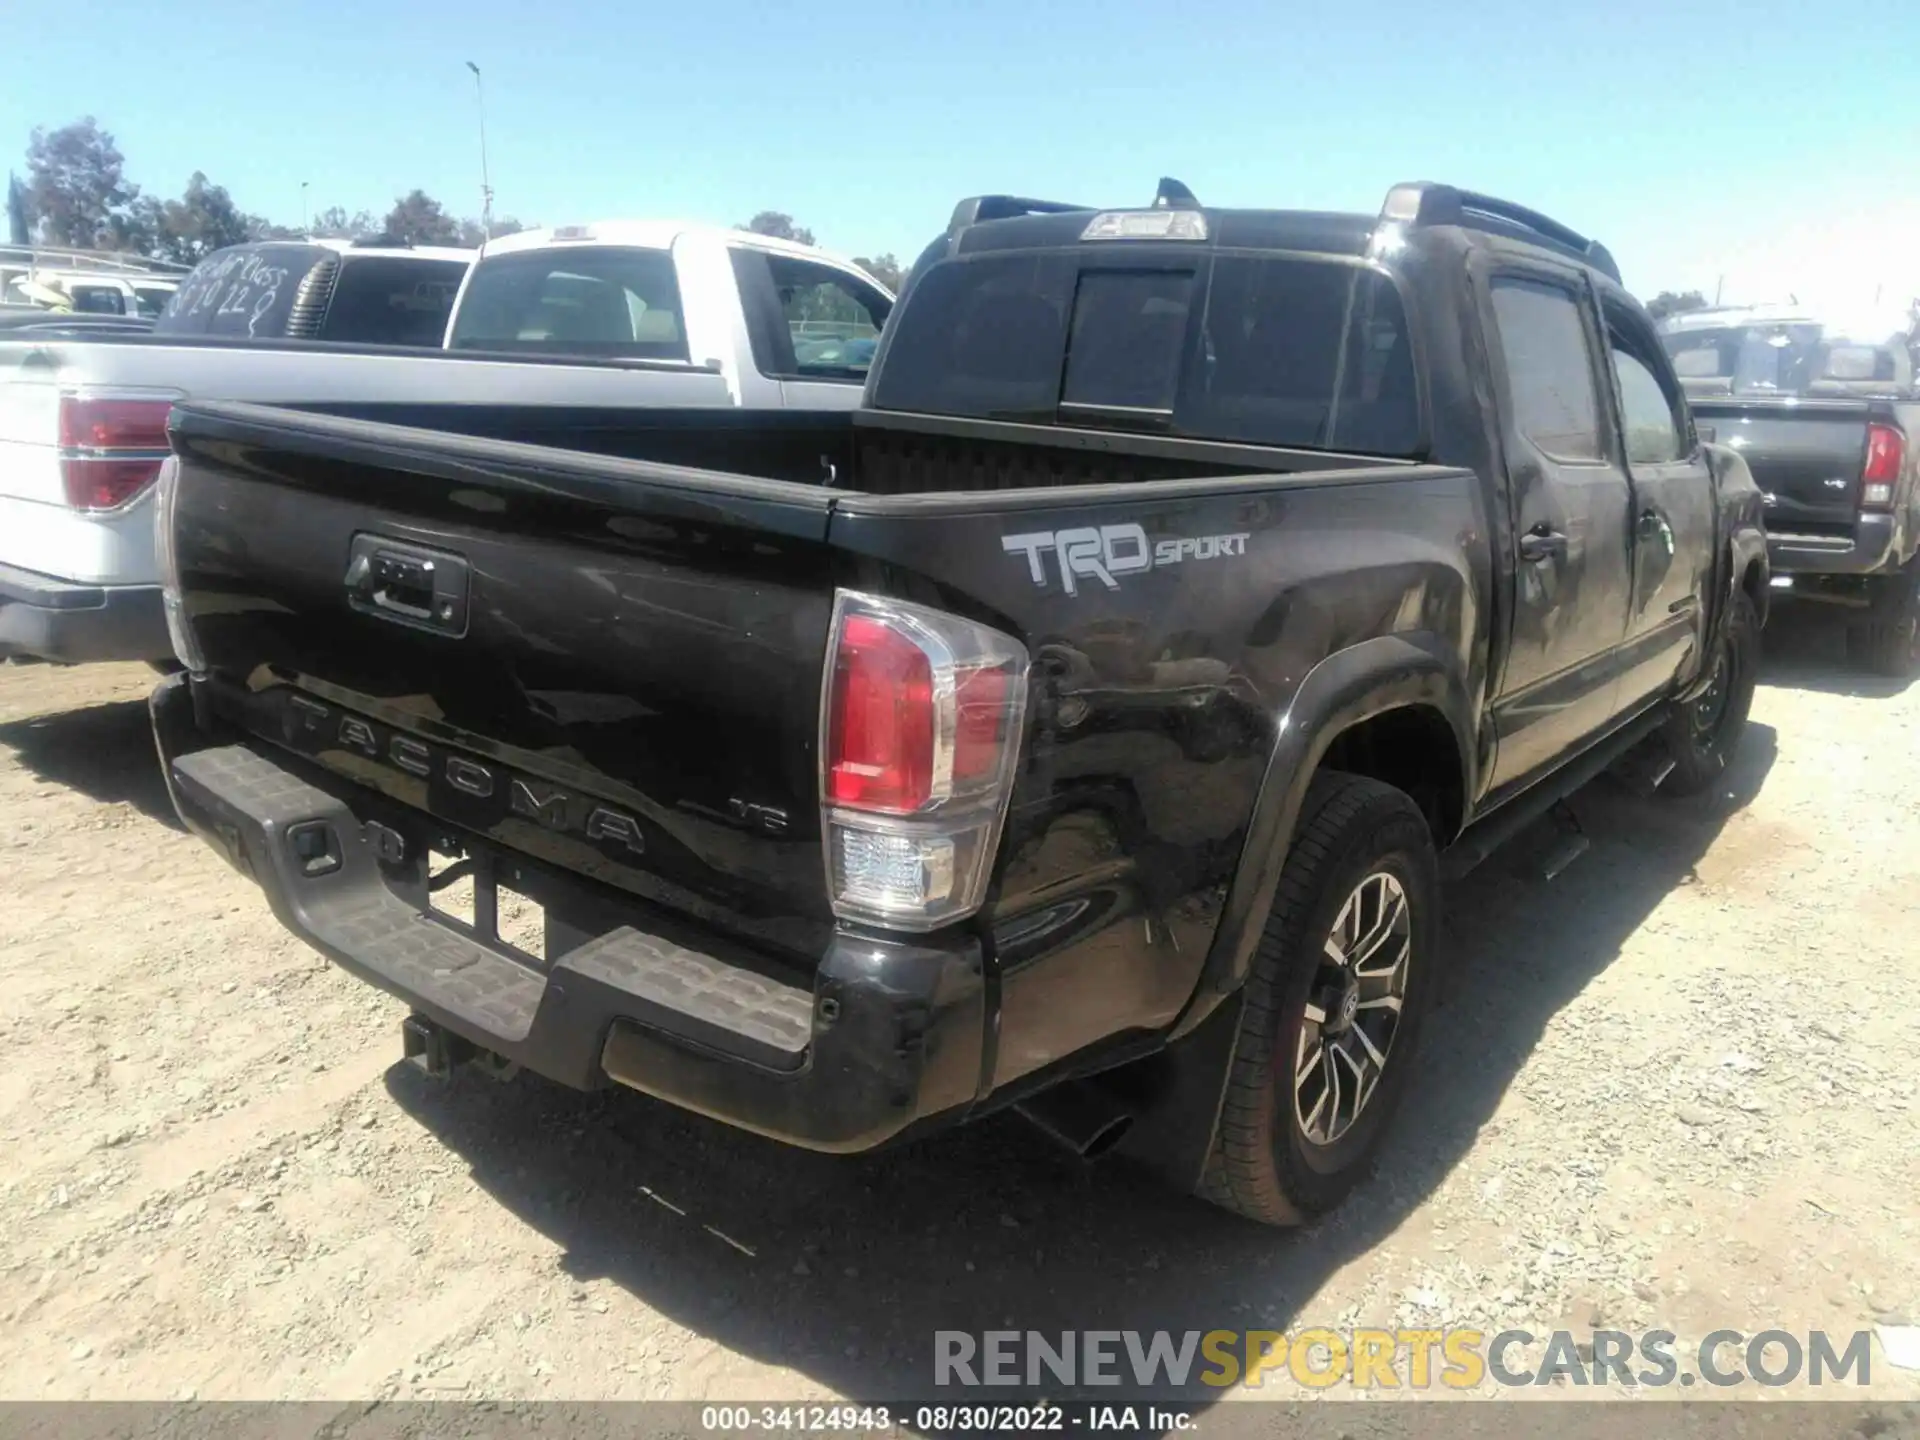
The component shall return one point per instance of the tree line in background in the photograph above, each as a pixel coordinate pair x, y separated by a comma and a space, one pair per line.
1668, 303
77, 194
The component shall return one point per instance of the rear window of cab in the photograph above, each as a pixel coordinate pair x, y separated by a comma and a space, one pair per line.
1273, 350
618, 302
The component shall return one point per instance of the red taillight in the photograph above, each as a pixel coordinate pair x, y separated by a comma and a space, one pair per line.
980, 698
88, 423
919, 736
1886, 451
106, 484
110, 449
881, 727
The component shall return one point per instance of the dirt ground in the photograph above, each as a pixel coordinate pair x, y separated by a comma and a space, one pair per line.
1674, 1087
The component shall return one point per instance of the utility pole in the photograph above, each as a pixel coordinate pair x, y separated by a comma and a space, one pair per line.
486, 185
1718, 285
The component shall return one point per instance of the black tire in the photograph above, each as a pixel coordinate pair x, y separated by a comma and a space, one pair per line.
1265, 1165
1888, 641
1704, 736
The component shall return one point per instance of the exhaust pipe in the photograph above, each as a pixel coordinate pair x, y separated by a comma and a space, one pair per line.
1084, 1117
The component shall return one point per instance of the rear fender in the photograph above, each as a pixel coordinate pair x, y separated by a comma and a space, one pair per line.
1174, 1134
1740, 540
1388, 672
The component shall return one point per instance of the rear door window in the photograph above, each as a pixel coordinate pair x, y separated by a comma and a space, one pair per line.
606, 301
1549, 368
392, 300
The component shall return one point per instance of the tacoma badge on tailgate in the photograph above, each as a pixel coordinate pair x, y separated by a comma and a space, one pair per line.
408, 584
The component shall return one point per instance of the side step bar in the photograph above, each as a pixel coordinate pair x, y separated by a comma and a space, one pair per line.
1483, 838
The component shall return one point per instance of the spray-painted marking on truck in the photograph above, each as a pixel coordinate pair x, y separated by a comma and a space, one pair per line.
1106, 552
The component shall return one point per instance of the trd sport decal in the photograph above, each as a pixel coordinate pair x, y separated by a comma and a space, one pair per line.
1109, 551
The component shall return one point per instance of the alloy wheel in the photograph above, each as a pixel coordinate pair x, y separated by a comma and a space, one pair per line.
1353, 1009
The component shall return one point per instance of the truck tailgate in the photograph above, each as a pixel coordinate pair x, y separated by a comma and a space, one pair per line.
595, 662
1805, 455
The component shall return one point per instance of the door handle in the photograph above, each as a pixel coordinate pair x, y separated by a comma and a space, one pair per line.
1654, 524
1540, 543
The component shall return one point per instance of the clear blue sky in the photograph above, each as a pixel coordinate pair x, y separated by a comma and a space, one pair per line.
1696, 137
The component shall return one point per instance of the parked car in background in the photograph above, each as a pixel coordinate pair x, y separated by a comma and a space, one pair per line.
619, 315
86, 294
371, 292
83, 422
1088, 738
1827, 417
86, 282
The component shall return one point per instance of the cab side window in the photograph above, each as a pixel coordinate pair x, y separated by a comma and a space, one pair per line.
808, 321
1543, 335
1650, 407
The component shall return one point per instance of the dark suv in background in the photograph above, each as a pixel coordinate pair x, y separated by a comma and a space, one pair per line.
1827, 417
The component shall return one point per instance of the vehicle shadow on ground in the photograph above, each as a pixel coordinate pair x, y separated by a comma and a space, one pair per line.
1804, 647
843, 1268
105, 752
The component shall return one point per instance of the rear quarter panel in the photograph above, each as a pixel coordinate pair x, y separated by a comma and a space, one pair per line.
1160, 691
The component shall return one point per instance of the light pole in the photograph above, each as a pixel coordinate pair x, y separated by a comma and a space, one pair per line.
486, 186
305, 228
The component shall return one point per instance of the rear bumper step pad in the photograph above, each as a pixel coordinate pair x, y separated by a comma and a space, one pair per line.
891, 1034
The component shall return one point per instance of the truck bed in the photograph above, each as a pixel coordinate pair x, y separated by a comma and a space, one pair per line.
868, 451
650, 640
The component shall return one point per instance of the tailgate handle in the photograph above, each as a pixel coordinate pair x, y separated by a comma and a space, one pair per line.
408, 584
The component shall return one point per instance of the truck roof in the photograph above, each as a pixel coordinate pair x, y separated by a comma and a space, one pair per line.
1718, 317
403, 252
989, 222
651, 235
1883, 325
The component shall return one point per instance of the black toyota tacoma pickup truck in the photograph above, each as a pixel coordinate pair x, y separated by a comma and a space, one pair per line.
1827, 418
1083, 726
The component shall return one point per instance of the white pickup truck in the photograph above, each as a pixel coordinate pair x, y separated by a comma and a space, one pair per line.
654, 315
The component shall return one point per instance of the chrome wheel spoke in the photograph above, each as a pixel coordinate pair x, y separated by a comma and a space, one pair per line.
1374, 1052
1334, 1127
1313, 1115
1346, 1032
1386, 923
1309, 1062
1384, 973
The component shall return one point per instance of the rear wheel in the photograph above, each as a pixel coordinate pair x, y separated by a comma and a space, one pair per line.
1341, 982
1888, 641
1703, 736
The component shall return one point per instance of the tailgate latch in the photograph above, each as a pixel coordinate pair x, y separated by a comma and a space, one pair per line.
408, 584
